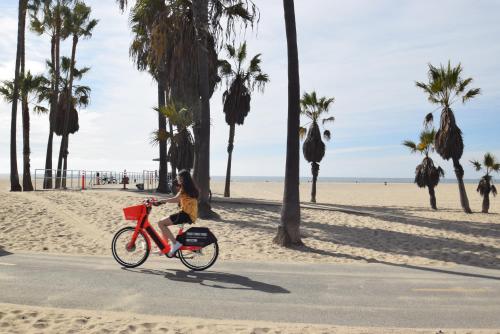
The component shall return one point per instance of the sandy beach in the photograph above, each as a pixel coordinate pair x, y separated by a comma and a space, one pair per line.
351, 223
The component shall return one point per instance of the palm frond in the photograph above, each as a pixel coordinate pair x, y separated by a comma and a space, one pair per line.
493, 190
225, 68
255, 64
463, 84
230, 50
411, 145
158, 136
326, 120
327, 135
489, 160
440, 171
429, 118
242, 52
40, 110
471, 94
476, 164
302, 132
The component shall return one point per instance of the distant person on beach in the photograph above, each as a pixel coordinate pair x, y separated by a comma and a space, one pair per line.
187, 197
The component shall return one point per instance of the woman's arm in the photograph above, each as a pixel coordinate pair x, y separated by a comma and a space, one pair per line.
174, 199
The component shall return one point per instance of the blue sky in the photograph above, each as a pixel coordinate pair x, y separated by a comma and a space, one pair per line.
366, 54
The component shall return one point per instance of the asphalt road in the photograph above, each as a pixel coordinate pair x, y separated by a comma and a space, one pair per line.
378, 295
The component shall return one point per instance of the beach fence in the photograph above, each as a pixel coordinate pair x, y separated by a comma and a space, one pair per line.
50, 179
46, 179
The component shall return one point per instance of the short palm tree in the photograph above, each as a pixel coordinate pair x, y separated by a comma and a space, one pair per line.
426, 174
181, 150
314, 147
241, 81
29, 87
485, 184
445, 87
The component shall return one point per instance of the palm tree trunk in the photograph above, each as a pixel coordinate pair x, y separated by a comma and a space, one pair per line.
162, 127
202, 163
55, 42
315, 172
47, 180
65, 162
289, 229
63, 149
432, 196
459, 172
486, 202
27, 184
14, 174
172, 166
230, 146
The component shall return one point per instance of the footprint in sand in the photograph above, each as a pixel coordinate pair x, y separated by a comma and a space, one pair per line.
40, 324
81, 321
148, 325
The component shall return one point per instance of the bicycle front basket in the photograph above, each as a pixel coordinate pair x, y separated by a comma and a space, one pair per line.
133, 212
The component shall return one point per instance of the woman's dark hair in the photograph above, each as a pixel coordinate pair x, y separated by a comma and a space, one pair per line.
188, 185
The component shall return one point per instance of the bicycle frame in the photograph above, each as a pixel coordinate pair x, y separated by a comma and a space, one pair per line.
144, 225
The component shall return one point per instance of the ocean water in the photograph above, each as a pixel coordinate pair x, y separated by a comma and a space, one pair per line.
332, 179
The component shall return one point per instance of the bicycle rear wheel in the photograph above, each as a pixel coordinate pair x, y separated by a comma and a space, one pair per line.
129, 257
201, 259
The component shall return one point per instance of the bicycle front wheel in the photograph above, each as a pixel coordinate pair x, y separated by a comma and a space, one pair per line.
201, 259
129, 256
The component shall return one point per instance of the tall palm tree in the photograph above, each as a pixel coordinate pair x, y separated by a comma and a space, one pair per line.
241, 82
47, 19
485, 185
79, 25
313, 147
28, 86
142, 19
445, 87
21, 23
426, 174
289, 228
185, 36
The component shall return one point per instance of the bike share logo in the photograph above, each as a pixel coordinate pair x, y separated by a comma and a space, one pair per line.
198, 234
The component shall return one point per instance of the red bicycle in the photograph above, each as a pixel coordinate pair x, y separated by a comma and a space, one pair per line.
131, 245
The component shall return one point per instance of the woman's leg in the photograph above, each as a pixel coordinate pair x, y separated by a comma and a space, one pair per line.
163, 225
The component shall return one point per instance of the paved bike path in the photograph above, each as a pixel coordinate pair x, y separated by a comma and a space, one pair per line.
344, 295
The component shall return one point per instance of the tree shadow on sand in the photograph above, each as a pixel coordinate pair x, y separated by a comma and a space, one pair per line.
385, 241
404, 215
3, 252
214, 279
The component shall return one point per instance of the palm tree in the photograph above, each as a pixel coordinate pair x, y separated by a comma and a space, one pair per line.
426, 174
184, 35
241, 81
485, 185
289, 229
47, 19
28, 85
314, 148
181, 151
444, 88
79, 25
21, 22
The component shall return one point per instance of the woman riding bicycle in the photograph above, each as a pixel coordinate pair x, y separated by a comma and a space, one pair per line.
187, 197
